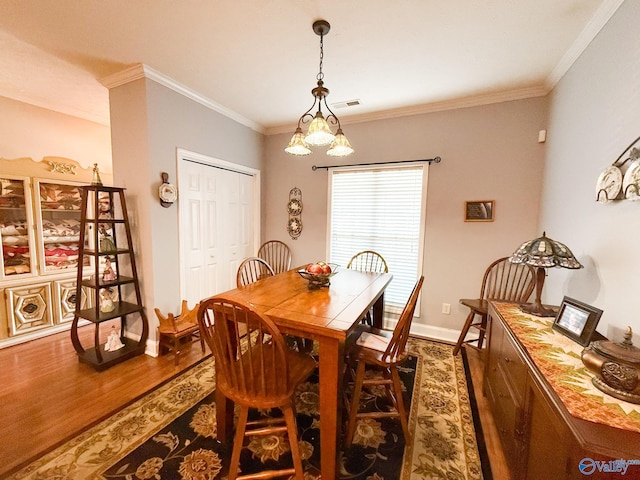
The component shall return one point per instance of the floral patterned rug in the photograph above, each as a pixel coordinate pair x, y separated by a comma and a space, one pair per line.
170, 433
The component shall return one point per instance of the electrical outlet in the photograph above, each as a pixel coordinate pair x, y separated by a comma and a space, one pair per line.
446, 308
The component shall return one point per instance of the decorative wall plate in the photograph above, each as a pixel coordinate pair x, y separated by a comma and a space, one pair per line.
631, 182
294, 206
167, 192
609, 185
294, 227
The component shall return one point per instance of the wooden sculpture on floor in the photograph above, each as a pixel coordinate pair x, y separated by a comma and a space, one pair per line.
172, 330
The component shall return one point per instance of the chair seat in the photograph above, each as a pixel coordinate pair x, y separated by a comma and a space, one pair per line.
372, 355
481, 307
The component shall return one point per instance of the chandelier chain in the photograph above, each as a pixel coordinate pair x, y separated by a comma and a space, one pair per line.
320, 75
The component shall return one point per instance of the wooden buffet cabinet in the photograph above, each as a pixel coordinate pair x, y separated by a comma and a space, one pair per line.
540, 437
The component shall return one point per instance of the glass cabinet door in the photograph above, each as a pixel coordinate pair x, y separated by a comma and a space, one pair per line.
16, 232
58, 211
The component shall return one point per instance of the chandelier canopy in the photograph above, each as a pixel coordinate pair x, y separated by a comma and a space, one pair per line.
319, 133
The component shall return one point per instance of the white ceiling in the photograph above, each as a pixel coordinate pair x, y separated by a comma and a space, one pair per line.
259, 58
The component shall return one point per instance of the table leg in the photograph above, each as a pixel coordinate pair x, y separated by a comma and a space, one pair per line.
378, 312
331, 372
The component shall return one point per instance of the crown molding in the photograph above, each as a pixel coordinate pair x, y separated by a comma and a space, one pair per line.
453, 104
592, 28
139, 70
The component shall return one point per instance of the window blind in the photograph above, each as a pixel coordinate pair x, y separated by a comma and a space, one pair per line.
380, 209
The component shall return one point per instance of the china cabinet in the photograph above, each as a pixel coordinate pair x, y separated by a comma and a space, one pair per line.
39, 237
106, 244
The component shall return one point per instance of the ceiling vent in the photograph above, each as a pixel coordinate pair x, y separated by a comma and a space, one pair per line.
348, 103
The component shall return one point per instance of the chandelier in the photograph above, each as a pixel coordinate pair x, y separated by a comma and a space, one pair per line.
319, 133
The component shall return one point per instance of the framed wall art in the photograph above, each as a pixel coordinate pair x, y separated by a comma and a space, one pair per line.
479, 211
577, 320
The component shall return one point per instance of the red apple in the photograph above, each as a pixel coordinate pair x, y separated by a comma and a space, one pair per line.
326, 269
314, 268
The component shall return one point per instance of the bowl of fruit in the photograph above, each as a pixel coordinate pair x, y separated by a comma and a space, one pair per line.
318, 273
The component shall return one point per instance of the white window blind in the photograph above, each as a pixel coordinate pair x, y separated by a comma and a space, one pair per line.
381, 209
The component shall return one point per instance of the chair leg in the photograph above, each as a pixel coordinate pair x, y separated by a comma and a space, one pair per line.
292, 431
464, 332
237, 442
399, 401
483, 330
355, 403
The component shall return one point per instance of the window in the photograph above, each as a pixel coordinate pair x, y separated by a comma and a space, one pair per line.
382, 209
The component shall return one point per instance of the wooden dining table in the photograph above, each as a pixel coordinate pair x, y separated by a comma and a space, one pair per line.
325, 314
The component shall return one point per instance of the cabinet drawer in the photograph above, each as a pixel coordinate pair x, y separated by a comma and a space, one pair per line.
507, 414
513, 369
29, 308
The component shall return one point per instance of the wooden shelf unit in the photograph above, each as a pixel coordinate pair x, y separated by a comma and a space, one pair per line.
104, 214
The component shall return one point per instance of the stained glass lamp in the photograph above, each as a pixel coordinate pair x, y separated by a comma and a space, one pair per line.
542, 253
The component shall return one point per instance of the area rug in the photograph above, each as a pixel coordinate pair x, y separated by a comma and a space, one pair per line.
170, 433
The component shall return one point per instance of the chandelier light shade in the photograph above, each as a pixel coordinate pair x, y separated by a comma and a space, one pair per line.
319, 132
542, 253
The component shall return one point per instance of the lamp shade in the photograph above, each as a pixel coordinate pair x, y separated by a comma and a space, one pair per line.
319, 133
297, 145
542, 253
340, 146
545, 252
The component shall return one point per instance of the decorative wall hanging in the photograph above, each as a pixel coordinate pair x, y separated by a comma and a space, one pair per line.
614, 184
167, 191
294, 209
479, 211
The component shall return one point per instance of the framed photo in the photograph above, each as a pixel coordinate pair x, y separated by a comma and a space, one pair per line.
479, 211
577, 320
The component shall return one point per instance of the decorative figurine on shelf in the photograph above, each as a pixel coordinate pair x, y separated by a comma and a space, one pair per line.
96, 181
106, 300
109, 273
104, 206
113, 341
106, 242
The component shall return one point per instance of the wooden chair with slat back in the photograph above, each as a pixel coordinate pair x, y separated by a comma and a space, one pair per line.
502, 280
174, 331
385, 350
254, 371
251, 270
368, 261
277, 254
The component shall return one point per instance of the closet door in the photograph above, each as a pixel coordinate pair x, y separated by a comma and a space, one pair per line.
216, 227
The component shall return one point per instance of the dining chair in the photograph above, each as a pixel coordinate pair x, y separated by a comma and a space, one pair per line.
502, 280
254, 371
173, 331
368, 261
251, 270
277, 254
384, 350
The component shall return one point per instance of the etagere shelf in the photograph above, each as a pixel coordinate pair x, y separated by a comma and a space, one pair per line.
105, 240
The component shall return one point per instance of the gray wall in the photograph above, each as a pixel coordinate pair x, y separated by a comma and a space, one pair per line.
149, 123
594, 116
488, 153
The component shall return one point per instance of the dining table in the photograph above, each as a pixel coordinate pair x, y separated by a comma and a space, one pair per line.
326, 314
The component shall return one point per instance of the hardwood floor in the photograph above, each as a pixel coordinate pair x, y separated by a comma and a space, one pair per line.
48, 396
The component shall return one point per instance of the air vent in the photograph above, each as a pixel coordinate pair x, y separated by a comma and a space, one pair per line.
348, 103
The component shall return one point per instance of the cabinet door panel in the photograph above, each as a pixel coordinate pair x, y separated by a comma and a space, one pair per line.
16, 228
29, 308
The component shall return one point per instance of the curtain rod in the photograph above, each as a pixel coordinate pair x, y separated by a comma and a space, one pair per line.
429, 160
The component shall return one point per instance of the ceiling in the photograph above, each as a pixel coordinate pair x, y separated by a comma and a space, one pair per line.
259, 58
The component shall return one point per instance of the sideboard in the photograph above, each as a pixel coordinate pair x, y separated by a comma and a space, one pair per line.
552, 423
